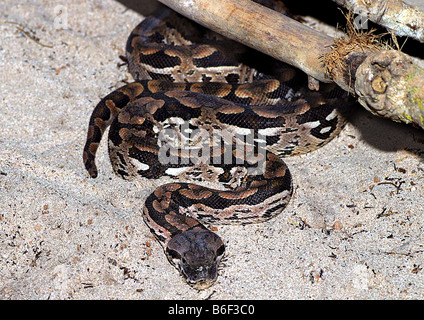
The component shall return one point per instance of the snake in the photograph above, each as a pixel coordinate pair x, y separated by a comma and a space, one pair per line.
201, 111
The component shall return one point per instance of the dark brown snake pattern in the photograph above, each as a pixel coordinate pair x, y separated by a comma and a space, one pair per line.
190, 90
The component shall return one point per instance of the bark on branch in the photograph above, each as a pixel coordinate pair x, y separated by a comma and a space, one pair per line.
388, 83
391, 85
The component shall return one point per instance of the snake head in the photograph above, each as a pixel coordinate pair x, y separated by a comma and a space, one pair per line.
196, 254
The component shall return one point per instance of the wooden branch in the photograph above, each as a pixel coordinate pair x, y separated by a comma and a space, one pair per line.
291, 42
395, 15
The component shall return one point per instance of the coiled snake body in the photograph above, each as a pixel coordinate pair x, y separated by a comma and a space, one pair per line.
195, 108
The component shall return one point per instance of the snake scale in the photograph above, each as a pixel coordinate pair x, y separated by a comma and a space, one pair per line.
198, 112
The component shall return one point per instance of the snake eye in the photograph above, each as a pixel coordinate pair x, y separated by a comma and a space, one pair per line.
220, 251
173, 254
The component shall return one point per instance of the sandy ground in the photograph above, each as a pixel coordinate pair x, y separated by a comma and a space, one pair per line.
354, 229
